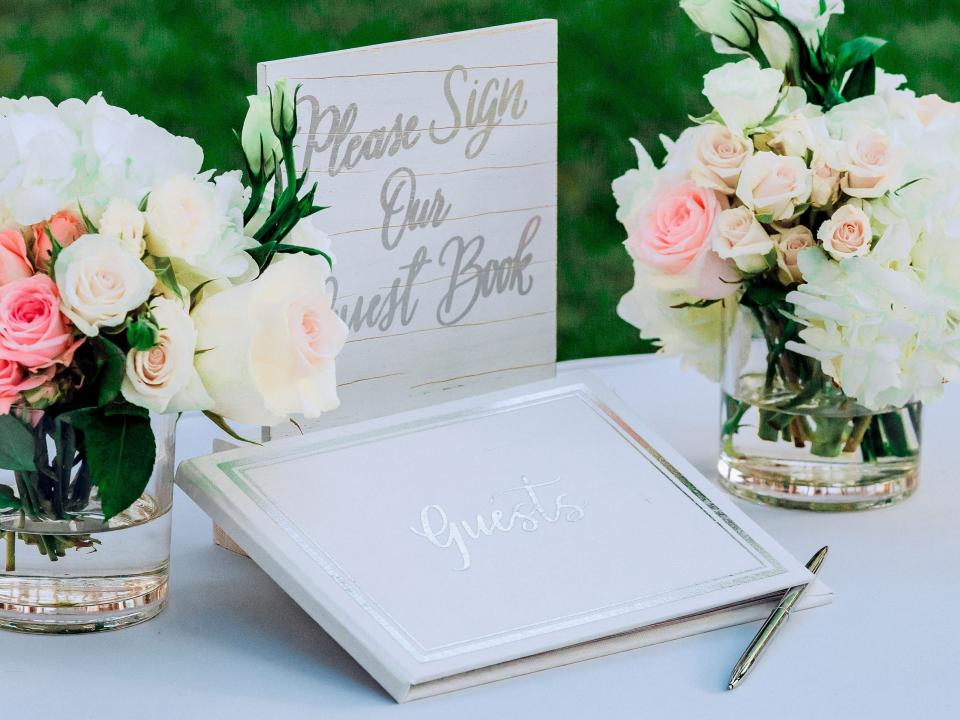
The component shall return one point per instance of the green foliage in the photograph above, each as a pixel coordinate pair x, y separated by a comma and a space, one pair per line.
111, 361
627, 69
16, 445
119, 450
8, 499
142, 333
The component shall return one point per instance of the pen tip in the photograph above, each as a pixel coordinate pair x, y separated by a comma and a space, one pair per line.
730, 686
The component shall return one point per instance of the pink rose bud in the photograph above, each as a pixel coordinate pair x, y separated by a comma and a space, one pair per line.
33, 331
13, 257
64, 226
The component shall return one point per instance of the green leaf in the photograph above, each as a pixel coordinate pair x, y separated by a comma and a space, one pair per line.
16, 445
862, 80
142, 207
57, 248
142, 334
125, 408
856, 52
195, 293
91, 228
112, 362
119, 450
163, 269
262, 253
763, 296
221, 423
766, 218
8, 500
697, 304
285, 248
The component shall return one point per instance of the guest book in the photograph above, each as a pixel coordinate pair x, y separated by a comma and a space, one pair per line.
494, 536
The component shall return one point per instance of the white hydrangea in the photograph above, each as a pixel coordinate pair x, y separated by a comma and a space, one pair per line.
886, 336
693, 334
53, 157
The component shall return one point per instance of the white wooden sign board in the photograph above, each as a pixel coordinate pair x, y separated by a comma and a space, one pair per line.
437, 157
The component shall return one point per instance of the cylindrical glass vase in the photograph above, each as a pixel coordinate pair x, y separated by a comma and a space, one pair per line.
791, 438
63, 568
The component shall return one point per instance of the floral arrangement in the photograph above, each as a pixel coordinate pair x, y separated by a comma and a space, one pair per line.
132, 283
818, 196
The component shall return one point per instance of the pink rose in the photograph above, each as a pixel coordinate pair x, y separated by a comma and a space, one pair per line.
64, 226
33, 331
14, 380
674, 235
13, 257
775, 185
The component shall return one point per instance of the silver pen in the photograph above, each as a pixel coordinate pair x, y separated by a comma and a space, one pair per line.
773, 623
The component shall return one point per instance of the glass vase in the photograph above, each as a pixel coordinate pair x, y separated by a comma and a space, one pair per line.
791, 438
64, 568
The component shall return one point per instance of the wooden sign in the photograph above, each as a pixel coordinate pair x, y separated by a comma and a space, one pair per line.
437, 157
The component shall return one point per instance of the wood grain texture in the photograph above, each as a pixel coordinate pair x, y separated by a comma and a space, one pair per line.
437, 159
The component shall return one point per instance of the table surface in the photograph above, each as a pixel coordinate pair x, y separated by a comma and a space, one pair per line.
231, 644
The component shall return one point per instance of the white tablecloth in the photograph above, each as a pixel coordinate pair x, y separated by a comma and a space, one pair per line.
231, 644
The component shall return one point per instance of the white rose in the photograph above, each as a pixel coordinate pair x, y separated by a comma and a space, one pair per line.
122, 220
743, 93
270, 345
806, 15
872, 164
774, 185
718, 157
789, 244
740, 236
847, 234
163, 378
100, 283
199, 225
721, 18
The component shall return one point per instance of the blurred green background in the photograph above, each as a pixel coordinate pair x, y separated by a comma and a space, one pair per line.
627, 69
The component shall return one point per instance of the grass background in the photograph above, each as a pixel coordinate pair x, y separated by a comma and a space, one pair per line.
627, 69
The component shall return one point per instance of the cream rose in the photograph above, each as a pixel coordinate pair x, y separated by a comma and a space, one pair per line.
789, 245
163, 378
743, 93
794, 135
122, 220
774, 185
740, 237
872, 164
269, 346
826, 183
100, 282
718, 157
847, 234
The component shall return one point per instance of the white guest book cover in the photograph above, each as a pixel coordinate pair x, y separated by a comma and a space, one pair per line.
494, 536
